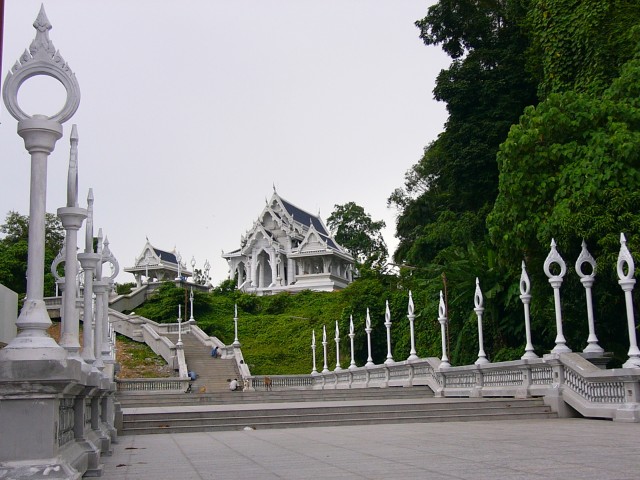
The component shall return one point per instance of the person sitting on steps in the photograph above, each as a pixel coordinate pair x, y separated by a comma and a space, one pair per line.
214, 352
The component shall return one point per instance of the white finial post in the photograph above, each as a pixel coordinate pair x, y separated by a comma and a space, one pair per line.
525, 297
325, 368
627, 282
337, 340
587, 281
411, 316
89, 262
478, 301
236, 342
352, 335
367, 329
442, 318
314, 371
387, 324
179, 344
556, 281
71, 218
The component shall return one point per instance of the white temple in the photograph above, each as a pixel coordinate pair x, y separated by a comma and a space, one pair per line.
158, 265
289, 249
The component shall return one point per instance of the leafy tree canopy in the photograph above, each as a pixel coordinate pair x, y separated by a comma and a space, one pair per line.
354, 229
14, 249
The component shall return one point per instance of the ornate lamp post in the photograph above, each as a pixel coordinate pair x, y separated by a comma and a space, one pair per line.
411, 316
525, 296
236, 342
368, 329
387, 324
479, 309
191, 319
587, 281
40, 134
352, 335
556, 281
442, 318
179, 344
325, 368
179, 260
627, 282
314, 371
337, 340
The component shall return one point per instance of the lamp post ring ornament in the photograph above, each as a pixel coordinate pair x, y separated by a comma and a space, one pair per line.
42, 58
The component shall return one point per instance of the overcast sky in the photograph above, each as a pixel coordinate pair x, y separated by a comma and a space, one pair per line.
191, 111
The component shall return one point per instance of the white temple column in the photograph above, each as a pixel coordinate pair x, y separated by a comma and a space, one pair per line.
556, 281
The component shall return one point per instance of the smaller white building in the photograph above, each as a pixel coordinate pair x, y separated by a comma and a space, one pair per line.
158, 266
289, 249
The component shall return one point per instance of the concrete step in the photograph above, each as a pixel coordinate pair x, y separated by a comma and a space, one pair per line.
295, 415
135, 399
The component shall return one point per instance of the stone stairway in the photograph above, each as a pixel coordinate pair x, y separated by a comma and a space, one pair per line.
213, 373
201, 418
226, 397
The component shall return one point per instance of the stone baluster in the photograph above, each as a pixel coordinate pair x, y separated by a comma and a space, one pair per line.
236, 342
479, 309
442, 318
587, 281
89, 262
525, 297
337, 340
325, 368
352, 335
556, 281
314, 371
627, 282
387, 324
368, 329
411, 316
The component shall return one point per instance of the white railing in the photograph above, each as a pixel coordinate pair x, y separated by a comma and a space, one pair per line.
152, 384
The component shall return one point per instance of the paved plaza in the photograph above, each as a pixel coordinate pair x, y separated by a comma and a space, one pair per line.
516, 449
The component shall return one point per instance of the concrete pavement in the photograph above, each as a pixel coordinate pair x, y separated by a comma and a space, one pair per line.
515, 449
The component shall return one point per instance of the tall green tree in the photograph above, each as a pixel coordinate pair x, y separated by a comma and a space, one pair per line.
450, 190
355, 230
14, 249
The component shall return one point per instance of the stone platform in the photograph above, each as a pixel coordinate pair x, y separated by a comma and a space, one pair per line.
517, 450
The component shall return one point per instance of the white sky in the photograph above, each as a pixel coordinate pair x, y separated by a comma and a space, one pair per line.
192, 110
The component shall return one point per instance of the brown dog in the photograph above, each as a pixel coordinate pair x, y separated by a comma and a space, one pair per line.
267, 383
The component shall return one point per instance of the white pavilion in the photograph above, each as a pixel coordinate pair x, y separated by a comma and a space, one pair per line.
289, 249
158, 265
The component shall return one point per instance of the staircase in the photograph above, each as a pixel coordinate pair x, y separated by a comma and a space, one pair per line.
213, 373
313, 413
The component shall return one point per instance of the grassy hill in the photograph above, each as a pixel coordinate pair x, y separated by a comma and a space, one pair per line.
275, 331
